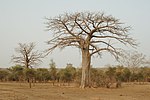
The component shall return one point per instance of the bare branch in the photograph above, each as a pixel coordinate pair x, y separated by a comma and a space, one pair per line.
95, 32
27, 56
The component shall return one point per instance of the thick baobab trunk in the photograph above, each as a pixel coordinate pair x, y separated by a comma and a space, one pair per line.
86, 61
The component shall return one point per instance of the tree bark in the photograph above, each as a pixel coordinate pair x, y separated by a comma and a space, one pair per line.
86, 61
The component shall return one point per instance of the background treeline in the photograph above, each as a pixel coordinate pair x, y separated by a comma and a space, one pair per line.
100, 77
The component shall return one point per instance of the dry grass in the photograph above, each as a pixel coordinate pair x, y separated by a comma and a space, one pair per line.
13, 91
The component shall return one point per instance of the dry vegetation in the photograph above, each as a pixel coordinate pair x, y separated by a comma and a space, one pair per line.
45, 91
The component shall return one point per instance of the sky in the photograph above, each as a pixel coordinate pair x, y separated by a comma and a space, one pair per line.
22, 21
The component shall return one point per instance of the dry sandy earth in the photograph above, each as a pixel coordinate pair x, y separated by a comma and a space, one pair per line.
13, 91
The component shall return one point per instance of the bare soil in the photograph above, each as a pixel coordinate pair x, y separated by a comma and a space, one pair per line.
45, 91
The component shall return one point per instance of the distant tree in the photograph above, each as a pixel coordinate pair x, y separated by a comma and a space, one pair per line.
53, 71
133, 60
4, 75
16, 73
27, 56
71, 72
42, 74
68, 74
92, 33
119, 73
110, 73
126, 74
61, 76
144, 73
30, 75
140, 77
97, 77
147, 62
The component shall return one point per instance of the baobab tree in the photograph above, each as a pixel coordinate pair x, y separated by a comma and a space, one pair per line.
91, 32
26, 55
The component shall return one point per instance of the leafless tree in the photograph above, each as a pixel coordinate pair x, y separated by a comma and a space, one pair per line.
147, 62
91, 32
133, 60
26, 55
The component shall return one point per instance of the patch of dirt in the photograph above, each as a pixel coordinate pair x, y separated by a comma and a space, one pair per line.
17, 91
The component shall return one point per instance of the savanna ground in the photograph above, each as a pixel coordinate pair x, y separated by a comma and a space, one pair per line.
45, 91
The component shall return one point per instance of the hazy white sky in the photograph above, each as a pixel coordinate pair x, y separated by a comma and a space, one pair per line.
22, 21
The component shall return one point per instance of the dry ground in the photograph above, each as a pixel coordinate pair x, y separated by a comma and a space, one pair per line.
13, 91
